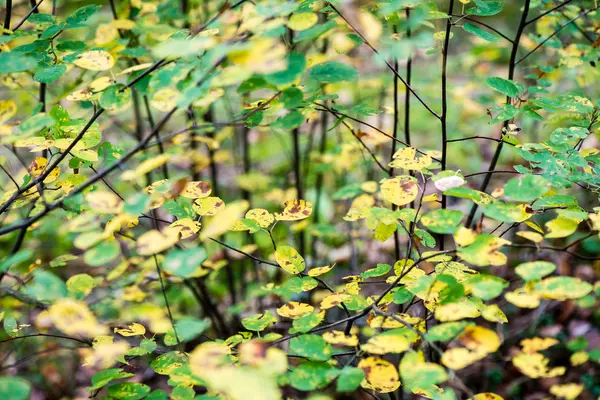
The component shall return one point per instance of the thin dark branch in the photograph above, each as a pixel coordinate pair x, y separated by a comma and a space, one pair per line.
386, 62
542, 15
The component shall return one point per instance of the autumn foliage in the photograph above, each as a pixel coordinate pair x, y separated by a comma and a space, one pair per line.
274, 199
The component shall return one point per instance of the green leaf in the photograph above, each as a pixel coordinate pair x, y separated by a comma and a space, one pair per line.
486, 287
103, 378
312, 375
188, 328
477, 31
534, 270
380, 270
103, 253
291, 97
82, 14
50, 74
115, 98
166, 363
313, 347
290, 260
308, 322
442, 221
128, 391
16, 62
10, 326
295, 68
349, 379
446, 331
184, 263
526, 188
14, 388
486, 8
259, 322
333, 72
503, 86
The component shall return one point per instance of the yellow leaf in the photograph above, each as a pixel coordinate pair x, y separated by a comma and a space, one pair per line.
493, 313
145, 166
464, 236
535, 344
74, 318
407, 158
340, 338
103, 202
262, 217
456, 311
224, 220
100, 84
134, 329
535, 365
302, 21
318, 271
165, 99
400, 190
8, 109
380, 375
294, 309
80, 95
533, 236
523, 298
567, 391
134, 68
154, 242
208, 206
579, 358
479, 339
295, 210
290, 260
196, 190
105, 33
95, 60
460, 357
333, 300
488, 395
38, 166
386, 343
186, 227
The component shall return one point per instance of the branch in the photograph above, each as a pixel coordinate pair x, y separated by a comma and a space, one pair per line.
386, 63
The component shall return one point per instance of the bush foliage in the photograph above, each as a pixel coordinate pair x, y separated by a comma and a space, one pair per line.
273, 199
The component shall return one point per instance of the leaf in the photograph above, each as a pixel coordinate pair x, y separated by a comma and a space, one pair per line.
503, 86
50, 74
535, 270
527, 188
185, 263
134, 329
289, 260
486, 287
154, 242
14, 388
380, 375
400, 190
259, 322
477, 31
486, 8
295, 210
294, 310
380, 270
103, 378
302, 21
95, 60
12, 61
349, 379
563, 288
333, 72
312, 375
128, 391
442, 221
313, 347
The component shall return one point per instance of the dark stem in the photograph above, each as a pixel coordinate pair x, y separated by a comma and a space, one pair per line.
511, 74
